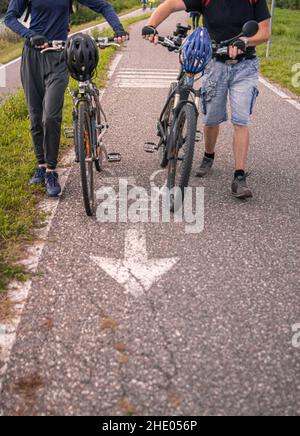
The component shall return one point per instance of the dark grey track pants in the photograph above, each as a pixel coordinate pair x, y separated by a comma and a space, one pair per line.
45, 79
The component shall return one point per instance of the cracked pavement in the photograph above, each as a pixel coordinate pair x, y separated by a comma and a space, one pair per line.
214, 335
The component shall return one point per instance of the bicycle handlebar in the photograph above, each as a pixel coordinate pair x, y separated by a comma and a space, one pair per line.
103, 42
174, 45
221, 49
250, 29
170, 42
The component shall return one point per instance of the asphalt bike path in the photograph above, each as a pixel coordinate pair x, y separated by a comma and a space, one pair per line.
126, 318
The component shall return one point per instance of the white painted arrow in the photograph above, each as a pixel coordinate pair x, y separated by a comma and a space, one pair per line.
136, 272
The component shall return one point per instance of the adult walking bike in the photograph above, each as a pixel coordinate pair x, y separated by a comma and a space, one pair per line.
177, 124
89, 127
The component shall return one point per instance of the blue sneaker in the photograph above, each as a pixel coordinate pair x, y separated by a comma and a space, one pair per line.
52, 184
39, 176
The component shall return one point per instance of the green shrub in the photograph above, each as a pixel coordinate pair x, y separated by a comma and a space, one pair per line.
7, 36
3, 6
84, 15
289, 4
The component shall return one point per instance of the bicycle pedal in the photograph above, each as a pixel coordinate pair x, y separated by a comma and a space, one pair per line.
114, 157
150, 147
69, 132
199, 136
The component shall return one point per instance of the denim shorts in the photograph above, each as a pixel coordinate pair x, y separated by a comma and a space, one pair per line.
239, 82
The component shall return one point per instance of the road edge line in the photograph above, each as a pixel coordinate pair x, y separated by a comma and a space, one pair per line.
278, 91
17, 292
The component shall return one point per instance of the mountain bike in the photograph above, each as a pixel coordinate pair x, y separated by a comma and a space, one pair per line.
177, 124
89, 127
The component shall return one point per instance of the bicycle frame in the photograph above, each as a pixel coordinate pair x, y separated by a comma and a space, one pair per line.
183, 91
88, 92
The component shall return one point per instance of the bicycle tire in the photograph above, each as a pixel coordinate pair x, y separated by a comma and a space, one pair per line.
85, 149
167, 122
99, 158
188, 114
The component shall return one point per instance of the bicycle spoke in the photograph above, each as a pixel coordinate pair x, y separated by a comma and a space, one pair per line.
180, 166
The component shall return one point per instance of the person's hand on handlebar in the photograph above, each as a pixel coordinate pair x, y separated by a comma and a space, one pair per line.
150, 34
39, 42
239, 47
121, 36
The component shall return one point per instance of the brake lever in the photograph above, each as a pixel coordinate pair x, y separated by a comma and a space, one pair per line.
104, 45
49, 49
223, 51
54, 46
168, 43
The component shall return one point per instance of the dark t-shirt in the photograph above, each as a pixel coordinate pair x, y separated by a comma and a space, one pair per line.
224, 19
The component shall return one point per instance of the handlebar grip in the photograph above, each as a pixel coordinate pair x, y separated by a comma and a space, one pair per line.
161, 39
111, 39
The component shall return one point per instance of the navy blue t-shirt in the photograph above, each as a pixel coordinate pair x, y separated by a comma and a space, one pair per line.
51, 18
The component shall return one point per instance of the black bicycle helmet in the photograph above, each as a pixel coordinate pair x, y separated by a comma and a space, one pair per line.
82, 56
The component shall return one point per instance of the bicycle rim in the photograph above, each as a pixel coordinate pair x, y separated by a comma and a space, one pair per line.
180, 166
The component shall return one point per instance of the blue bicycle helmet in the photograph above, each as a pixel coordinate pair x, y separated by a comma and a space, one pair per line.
196, 51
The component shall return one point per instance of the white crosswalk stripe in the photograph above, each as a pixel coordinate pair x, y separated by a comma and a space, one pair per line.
145, 78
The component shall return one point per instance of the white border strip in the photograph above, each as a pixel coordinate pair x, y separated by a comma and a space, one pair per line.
18, 292
280, 93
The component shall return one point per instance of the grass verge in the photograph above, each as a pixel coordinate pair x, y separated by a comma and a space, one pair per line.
19, 214
11, 47
285, 49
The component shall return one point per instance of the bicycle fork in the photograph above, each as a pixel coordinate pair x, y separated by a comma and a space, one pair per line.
181, 99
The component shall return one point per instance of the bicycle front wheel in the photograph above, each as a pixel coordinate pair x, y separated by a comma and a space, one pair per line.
85, 148
181, 148
167, 122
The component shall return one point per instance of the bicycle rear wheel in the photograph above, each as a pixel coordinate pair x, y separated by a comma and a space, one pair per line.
85, 149
183, 138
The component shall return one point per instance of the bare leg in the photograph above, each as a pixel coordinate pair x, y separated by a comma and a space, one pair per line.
211, 135
241, 146
240, 188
